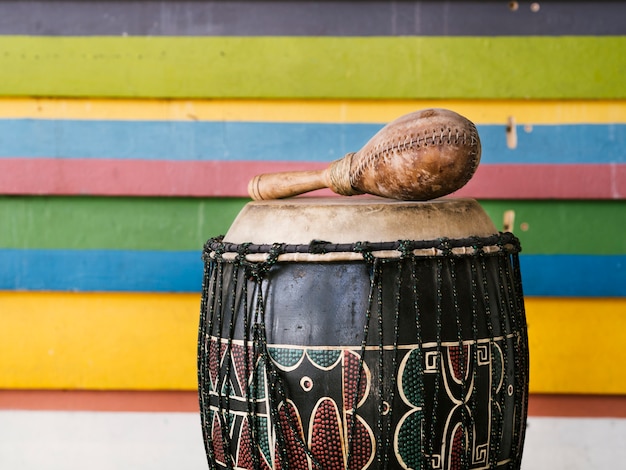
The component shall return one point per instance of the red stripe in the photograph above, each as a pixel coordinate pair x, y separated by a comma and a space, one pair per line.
593, 406
581, 406
543, 181
92, 400
20, 176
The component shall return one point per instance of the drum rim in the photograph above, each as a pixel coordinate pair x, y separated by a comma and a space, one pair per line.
325, 251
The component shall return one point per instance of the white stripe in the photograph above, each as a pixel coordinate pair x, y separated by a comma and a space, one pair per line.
58, 440
75, 440
575, 444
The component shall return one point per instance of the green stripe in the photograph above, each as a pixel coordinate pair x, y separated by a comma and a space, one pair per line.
314, 67
114, 223
544, 227
565, 227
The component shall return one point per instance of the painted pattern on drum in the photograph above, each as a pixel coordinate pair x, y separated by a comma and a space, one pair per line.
452, 429
316, 434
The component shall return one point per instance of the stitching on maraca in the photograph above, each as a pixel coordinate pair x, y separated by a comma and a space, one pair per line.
410, 142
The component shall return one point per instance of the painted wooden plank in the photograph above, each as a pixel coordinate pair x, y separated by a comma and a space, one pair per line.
99, 341
574, 275
553, 405
106, 177
584, 406
310, 18
181, 271
106, 400
101, 270
524, 112
574, 443
544, 227
580, 227
276, 141
545, 181
101, 441
572, 345
76, 223
307, 67
113, 341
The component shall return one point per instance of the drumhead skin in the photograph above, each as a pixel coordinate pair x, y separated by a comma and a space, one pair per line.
363, 334
343, 220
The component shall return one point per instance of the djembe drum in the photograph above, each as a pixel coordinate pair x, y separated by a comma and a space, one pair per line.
368, 333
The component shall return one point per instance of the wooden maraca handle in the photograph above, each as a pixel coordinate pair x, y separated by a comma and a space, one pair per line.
286, 184
292, 183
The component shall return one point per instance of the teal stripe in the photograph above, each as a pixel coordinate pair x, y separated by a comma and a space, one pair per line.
207, 140
181, 271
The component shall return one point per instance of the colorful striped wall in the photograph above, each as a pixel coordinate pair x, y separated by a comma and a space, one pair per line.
129, 131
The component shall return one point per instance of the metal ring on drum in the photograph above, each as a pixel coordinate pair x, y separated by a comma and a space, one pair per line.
358, 334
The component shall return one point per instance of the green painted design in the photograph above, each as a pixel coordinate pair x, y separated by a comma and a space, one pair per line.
324, 358
285, 357
400, 67
412, 377
409, 442
263, 437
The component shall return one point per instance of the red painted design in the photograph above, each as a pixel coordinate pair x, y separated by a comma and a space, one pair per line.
239, 362
218, 442
456, 449
244, 452
215, 359
294, 439
351, 379
362, 446
459, 357
326, 436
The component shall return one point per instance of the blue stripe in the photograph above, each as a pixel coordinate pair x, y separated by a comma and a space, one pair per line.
574, 275
101, 270
163, 271
208, 140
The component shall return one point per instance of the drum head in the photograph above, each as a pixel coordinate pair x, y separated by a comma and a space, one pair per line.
348, 220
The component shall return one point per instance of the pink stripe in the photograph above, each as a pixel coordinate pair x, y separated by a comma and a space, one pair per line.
230, 179
543, 181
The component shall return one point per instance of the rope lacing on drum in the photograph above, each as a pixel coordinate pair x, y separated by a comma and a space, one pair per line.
445, 246
260, 270
318, 247
507, 241
365, 250
405, 247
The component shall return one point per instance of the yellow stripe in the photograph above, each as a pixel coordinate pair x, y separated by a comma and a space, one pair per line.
98, 341
148, 342
325, 111
577, 345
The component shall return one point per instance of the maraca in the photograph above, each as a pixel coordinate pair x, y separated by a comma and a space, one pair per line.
420, 156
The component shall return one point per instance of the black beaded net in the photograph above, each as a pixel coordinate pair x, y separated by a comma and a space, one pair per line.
399, 355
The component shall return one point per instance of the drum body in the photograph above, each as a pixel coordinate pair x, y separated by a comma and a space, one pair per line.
370, 334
